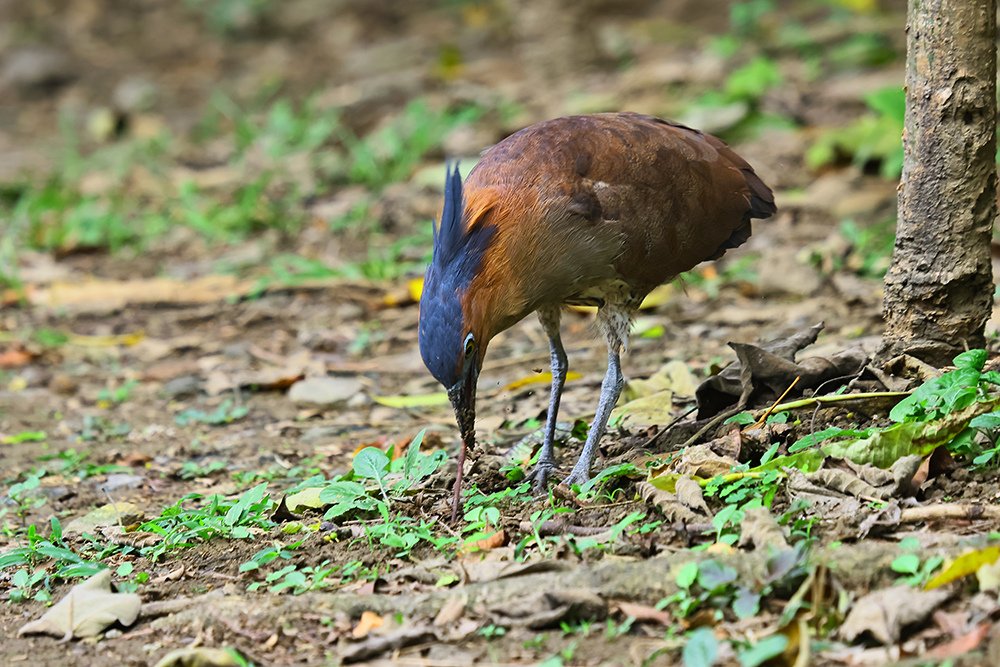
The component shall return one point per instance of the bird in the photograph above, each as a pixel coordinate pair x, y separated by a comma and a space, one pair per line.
593, 210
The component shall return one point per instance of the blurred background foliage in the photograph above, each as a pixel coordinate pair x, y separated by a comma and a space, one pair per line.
307, 139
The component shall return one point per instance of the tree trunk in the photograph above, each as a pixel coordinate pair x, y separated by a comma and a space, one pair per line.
939, 289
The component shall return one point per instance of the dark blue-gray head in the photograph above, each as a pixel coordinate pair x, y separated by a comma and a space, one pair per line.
450, 345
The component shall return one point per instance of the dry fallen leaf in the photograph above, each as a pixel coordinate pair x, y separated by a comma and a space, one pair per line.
497, 539
642, 612
369, 621
15, 357
112, 514
86, 610
451, 610
761, 529
690, 494
885, 613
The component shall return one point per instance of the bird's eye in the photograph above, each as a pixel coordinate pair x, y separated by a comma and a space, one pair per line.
470, 344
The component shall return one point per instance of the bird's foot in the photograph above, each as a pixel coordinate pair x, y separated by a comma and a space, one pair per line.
579, 476
540, 475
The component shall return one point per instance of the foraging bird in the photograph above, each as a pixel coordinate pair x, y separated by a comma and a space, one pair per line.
583, 210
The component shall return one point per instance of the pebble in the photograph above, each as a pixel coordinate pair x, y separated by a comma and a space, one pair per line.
183, 386
323, 391
36, 67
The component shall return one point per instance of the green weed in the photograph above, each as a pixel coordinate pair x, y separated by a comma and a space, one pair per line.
31, 580
389, 154
874, 138
914, 570
225, 413
179, 527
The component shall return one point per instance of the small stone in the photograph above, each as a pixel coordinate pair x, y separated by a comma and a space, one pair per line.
106, 515
323, 391
35, 68
320, 433
134, 94
64, 384
122, 481
184, 386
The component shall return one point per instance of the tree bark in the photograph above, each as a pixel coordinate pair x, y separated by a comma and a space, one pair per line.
939, 289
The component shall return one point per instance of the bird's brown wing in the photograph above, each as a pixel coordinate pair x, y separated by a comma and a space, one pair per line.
679, 196
618, 196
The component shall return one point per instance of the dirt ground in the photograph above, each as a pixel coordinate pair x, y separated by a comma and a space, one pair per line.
149, 334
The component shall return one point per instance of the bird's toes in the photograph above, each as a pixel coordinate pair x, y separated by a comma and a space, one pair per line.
579, 477
540, 475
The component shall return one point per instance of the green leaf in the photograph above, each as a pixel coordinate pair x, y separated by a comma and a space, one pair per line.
746, 604
687, 575
742, 418
885, 447
713, 575
972, 359
764, 650
23, 436
371, 463
239, 511
906, 564
989, 421
813, 439
701, 648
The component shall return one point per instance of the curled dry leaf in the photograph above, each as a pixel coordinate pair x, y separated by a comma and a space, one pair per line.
86, 610
668, 503
690, 494
451, 610
497, 539
642, 612
702, 461
760, 529
763, 372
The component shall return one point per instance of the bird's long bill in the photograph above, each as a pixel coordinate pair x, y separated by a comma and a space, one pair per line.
463, 399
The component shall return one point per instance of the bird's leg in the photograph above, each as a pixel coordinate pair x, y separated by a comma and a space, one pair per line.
615, 323
549, 317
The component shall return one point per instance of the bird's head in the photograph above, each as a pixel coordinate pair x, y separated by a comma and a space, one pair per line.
453, 334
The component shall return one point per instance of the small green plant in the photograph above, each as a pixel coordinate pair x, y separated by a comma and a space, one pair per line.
225, 413
99, 429
389, 154
492, 631
41, 560
297, 579
875, 137
25, 494
949, 392
76, 463
384, 482
179, 527
194, 470
130, 579
913, 570
110, 396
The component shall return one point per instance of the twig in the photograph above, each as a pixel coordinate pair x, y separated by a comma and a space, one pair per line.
837, 398
666, 429
763, 418
712, 423
968, 511
551, 527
